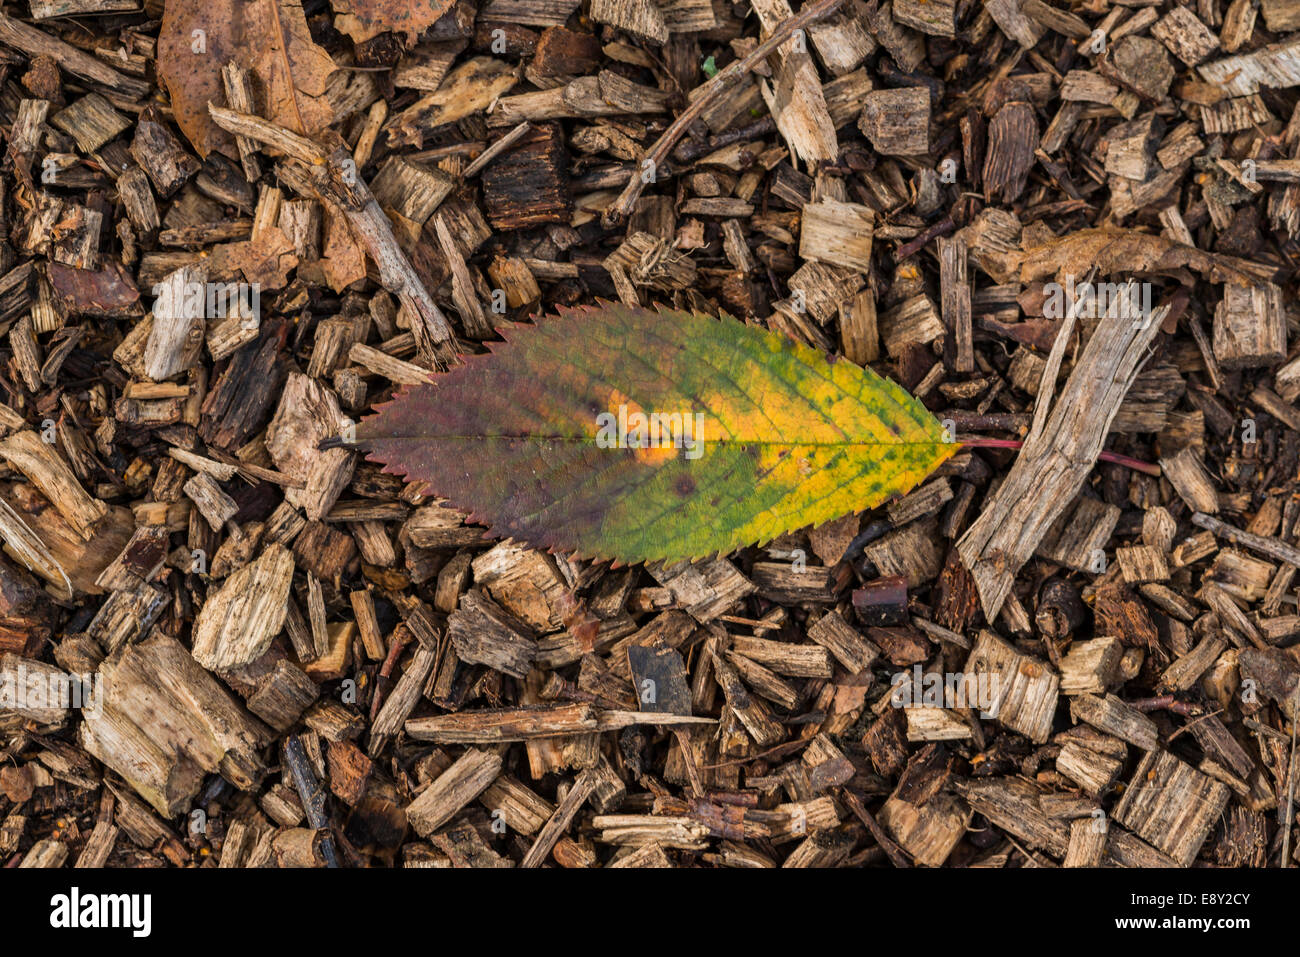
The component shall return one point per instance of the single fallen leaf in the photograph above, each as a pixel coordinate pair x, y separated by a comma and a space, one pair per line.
365, 19
542, 440
268, 37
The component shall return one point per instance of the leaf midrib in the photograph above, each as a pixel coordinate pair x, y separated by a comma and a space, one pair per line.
590, 439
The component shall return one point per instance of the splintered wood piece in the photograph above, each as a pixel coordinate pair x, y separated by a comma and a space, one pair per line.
308, 413
521, 808
1058, 453
1187, 669
1185, 35
752, 714
160, 154
788, 584
282, 696
795, 97
935, 17
805, 661
1090, 667
833, 633
659, 679
935, 724
1013, 805
909, 552
642, 20
24, 545
1186, 472
165, 723
30, 454
1249, 326
410, 190
524, 582
1276, 66
1095, 770
1142, 563
1008, 15
897, 122
461, 783
554, 828
837, 233
1087, 842
955, 298
238, 623
499, 725
483, 632
1012, 141
401, 701
38, 691
528, 186
215, 505
1111, 715
639, 830
1024, 689
504, 724
91, 121
706, 589
1171, 805
928, 832
237, 83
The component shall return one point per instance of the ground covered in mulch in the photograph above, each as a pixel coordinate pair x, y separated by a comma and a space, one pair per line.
234, 228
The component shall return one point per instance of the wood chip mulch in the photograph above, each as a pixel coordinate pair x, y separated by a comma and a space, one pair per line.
301, 662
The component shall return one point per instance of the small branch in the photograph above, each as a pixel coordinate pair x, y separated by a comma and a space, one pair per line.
1271, 547
692, 150
337, 181
311, 795
618, 211
554, 828
895, 853
495, 150
269, 134
1166, 702
36, 43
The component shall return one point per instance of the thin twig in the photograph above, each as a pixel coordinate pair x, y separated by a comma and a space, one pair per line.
1271, 547
619, 210
332, 174
495, 150
896, 854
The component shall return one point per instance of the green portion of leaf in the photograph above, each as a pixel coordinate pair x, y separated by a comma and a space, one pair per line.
779, 437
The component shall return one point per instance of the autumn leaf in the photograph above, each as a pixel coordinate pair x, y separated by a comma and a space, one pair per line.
769, 435
269, 37
365, 19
